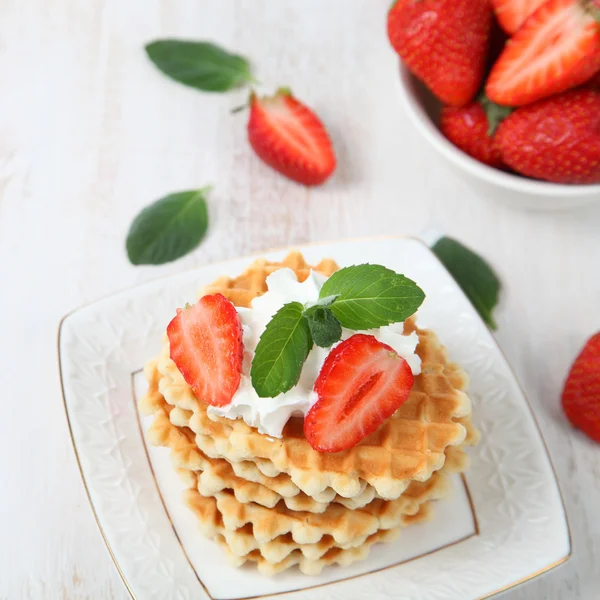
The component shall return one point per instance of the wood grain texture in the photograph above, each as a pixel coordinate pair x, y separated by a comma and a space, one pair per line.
90, 133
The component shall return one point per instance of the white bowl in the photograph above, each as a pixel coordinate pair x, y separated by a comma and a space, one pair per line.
520, 192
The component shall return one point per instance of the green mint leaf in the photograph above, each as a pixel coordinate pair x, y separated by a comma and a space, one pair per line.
168, 229
201, 65
281, 352
325, 329
371, 296
476, 278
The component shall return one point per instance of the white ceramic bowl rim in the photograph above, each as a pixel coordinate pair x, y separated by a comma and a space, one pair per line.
506, 180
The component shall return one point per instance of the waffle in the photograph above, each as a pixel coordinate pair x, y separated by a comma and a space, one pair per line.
243, 289
279, 503
334, 556
283, 552
347, 528
409, 446
217, 475
279, 538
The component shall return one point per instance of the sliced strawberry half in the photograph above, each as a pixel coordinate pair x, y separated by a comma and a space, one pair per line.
289, 137
206, 345
581, 394
361, 384
557, 48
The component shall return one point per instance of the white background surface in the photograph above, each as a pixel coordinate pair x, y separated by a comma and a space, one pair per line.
90, 133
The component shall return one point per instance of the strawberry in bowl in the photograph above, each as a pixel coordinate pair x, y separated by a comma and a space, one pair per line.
541, 72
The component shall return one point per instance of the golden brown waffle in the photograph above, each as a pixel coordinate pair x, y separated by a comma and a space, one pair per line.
243, 289
152, 400
281, 483
333, 556
348, 528
280, 538
409, 446
283, 551
217, 475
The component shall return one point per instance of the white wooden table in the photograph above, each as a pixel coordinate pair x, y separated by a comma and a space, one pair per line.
90, 132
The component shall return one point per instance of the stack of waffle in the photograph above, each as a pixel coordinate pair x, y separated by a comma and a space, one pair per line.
279, 503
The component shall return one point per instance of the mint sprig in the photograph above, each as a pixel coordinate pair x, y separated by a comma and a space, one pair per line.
358, 297
281, 352
200, 65
476, 278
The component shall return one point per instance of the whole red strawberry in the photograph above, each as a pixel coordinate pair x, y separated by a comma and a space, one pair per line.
444, 43
289, 137
581, 394
556, 49
472, 130
557, 139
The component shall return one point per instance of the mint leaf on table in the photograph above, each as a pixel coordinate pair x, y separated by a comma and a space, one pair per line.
201, 65
325, 329
476, 278
281, 352
371, 296
168, 229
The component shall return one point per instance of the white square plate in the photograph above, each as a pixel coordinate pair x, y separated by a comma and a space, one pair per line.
503, 524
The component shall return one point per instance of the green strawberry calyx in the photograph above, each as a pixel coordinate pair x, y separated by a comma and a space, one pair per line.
495, 113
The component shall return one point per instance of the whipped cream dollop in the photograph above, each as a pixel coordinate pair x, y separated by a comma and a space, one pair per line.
269, 415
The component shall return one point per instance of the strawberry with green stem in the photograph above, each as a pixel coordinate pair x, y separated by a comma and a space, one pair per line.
472, 129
